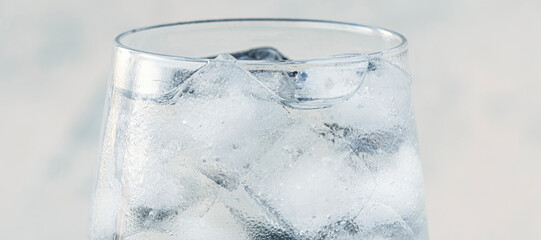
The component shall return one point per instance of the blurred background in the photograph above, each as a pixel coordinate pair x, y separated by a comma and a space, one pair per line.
476, 68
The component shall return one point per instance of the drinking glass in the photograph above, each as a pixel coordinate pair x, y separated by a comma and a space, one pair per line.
259, 129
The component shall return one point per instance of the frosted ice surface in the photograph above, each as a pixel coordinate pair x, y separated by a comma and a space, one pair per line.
228, 120
308, 183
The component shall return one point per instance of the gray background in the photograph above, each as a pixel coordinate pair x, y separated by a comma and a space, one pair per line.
476, 68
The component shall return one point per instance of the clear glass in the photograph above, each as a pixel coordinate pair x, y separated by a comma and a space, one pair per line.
259, 129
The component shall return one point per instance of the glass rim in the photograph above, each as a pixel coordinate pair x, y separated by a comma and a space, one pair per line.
395, 50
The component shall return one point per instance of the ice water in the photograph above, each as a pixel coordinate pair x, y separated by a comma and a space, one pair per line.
243, 152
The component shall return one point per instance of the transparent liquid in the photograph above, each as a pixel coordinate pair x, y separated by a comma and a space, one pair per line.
232, 153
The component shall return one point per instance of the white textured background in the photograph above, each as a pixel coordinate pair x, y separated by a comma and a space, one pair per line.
477, 78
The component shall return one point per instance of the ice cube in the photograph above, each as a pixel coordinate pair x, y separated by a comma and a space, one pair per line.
393, 160
155, 205
158, 186
226, 120
318, 84
306, 181
381, 102
400, 186
220, 78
